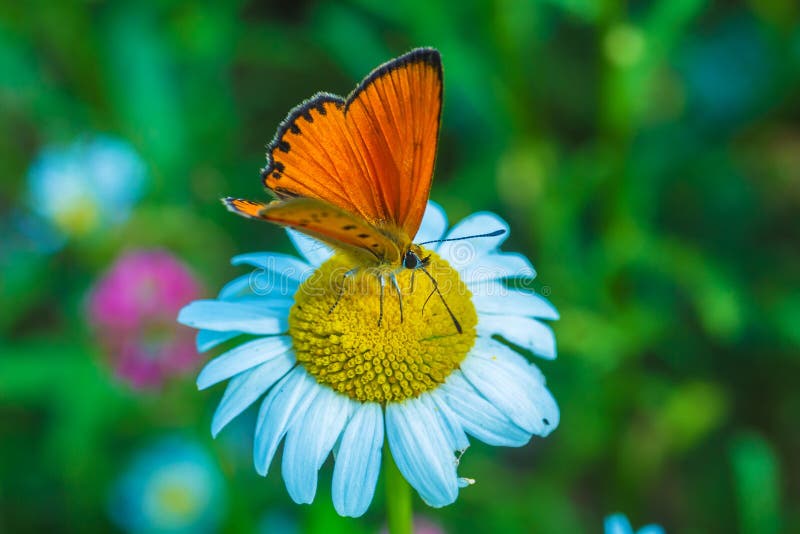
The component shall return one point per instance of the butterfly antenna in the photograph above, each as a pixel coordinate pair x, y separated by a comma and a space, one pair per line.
399, 294
436, 288
490, 234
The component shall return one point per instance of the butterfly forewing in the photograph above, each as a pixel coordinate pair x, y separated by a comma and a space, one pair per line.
371, 155
395, 115
314, 157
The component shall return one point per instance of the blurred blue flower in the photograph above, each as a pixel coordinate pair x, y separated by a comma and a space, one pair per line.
729, 71
87, 185
276, 522
619, 524
172, 486
26, 233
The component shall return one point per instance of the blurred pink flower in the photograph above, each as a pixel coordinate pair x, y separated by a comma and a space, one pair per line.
422, 525
132, 309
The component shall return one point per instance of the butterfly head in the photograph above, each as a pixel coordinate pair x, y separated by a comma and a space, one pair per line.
414, 258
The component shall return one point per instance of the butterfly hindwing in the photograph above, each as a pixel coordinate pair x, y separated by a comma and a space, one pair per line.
245, 208
325, 222
371, 155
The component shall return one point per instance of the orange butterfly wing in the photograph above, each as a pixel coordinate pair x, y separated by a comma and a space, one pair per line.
371, 155
325, 222
245, 208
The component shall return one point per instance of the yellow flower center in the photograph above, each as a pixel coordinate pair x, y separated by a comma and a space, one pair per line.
335, 330
80, 218
178, 499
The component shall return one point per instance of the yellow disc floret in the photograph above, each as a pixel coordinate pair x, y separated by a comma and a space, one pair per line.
343, 340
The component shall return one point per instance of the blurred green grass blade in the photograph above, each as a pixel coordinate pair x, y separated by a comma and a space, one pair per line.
321, 518
588, 10
667, 22
692, 412
38, 369
25, 281
756, 470
347, 35
144, 88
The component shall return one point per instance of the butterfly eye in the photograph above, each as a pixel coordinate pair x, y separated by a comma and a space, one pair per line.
411, 260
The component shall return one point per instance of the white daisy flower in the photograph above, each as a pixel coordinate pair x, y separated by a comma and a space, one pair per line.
434, 372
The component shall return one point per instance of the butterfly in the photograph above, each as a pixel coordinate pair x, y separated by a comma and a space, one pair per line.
356, 172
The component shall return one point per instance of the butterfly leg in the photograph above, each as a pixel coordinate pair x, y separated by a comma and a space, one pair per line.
383, 284
441, 297
432, 293
347, 275
399, 294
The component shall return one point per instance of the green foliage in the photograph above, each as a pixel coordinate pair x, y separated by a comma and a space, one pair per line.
645, 155
756, 473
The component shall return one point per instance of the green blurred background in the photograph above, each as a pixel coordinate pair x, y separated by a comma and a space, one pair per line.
646, 155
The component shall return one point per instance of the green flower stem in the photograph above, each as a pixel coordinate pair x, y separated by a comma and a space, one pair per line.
399, 515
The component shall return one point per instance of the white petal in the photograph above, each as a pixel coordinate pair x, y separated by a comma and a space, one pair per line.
478, 416
208, 339
315, 252
358, 461
451, 424
247, 387
492, 297
284, 405
235, 287
496, 266
274, 262
460, 253
224, 316
515, 387
260, 284
421, 451
433, 226
279, 305
523, 331
539, 395
242, 358
309, 442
